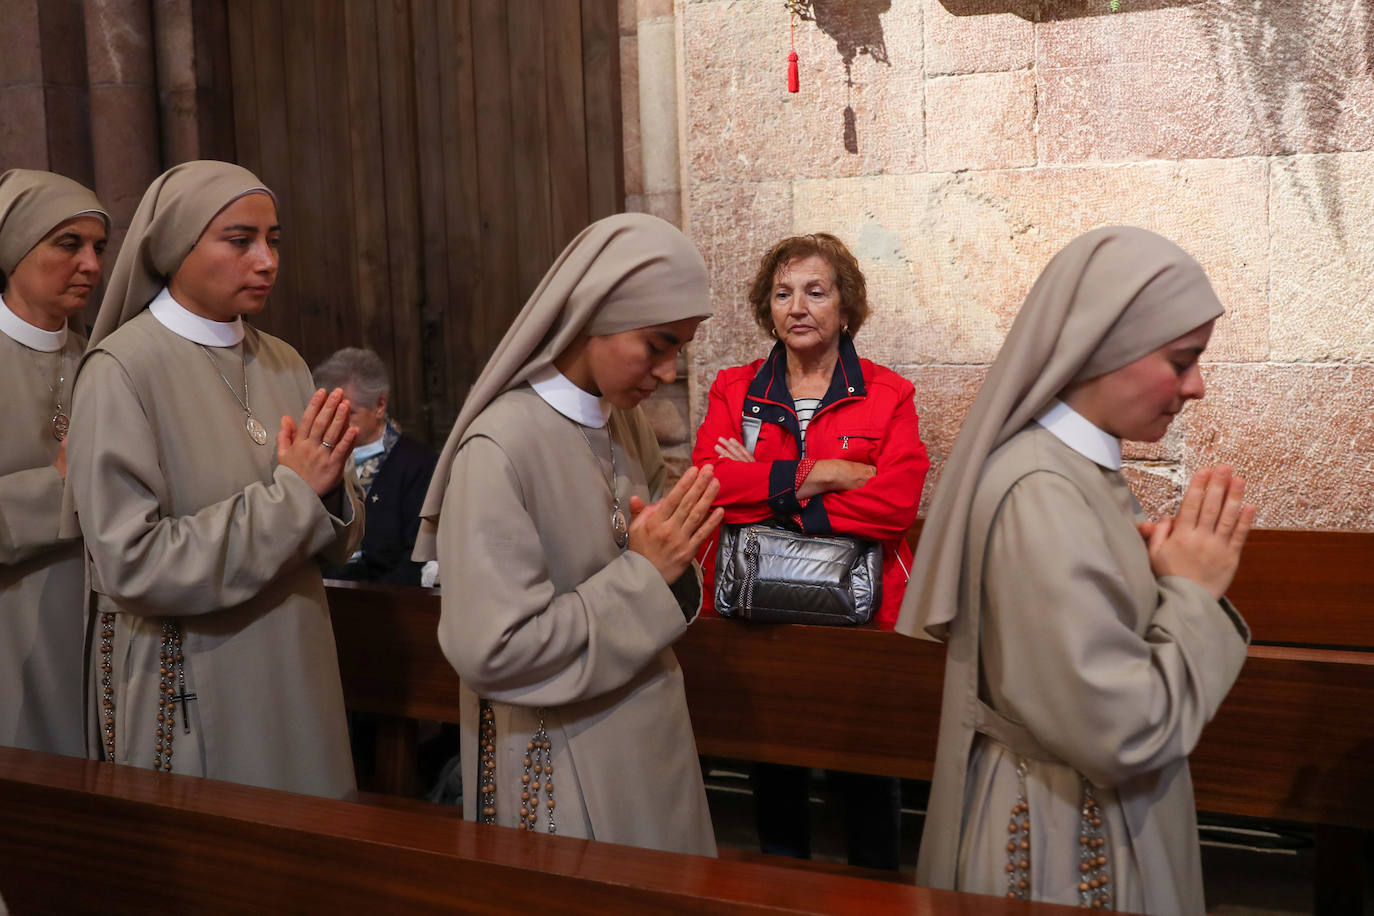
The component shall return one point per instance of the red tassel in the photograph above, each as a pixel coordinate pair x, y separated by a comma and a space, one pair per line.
793, 78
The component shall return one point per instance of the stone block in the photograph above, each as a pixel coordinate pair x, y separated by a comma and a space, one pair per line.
119, 43
657, 76
68, 121
62, 36
1239, 78
627, 14
859, 110
174, 26
980, 121
733, 225
944, 395
1322, 252
1158, 486
950, 258
124, 135
975, 43
667, 412
629, 114
21, 53
654, 9
667, 205
1302, 437
23, 135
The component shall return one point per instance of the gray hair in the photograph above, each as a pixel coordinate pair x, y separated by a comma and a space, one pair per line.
356, 368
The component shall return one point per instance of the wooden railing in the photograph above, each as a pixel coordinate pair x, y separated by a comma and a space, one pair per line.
78, 836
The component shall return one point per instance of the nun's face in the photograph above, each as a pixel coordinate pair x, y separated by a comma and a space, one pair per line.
55, 279
626, 368
233, 265
1140, 400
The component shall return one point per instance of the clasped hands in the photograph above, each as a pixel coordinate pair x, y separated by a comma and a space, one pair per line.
671, 531
321, 445
1203, 541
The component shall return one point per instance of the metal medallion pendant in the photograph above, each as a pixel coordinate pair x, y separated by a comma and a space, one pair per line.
620, 528
256, 432
60, 425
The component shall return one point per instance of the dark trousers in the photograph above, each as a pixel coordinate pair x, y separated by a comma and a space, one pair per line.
872, 808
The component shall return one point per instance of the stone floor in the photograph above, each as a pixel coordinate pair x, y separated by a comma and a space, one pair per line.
1249, 870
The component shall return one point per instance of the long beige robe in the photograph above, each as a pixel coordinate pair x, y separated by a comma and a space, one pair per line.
41, 584
541, 609
185, 516
1096, 668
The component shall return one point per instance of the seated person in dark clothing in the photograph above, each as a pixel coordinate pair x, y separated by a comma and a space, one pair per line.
393, 469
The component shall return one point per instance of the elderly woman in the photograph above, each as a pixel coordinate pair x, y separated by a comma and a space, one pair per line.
212, 649
393, 470
815, 436
1084, 660
562, 590
52, 239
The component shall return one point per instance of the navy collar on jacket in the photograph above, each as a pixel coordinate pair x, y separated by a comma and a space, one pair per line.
770, 400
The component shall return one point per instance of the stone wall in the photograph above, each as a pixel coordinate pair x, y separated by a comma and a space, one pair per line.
957, 144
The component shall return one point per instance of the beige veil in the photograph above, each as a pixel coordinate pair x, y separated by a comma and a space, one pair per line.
1108, 298
623, 272
175, 210
32, 204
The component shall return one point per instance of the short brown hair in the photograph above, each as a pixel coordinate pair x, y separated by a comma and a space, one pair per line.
849, 279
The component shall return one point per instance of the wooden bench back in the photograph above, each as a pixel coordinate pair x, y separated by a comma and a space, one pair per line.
1293, 740
80, 836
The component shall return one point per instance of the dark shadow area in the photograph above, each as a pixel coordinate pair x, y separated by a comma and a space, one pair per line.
1297, 60
1296, 64
1051, 10
856, 29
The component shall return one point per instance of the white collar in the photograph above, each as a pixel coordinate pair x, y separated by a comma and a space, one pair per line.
562, 395
179, 320
1082, 435
34, 338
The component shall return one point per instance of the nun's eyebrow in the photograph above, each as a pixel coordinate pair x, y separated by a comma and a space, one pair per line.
244, 227
670, 338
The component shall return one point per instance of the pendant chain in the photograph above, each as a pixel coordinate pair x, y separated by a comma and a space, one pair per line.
59, 419
256, 431
615, 497
620, 524
243, 401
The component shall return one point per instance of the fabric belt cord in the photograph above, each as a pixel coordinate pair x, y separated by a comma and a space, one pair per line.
1011, 735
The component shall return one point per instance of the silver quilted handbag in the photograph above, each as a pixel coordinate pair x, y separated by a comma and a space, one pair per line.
776, 575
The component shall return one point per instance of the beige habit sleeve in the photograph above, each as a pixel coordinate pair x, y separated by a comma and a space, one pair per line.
216, 558
30, 507
1062, 657
505, 628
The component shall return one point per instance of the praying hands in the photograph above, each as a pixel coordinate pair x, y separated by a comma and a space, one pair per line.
1204, 540
319, 447
669, 532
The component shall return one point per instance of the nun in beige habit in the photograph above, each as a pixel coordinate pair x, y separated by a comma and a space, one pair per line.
211, 647
1084, 661
558, 610
52, 236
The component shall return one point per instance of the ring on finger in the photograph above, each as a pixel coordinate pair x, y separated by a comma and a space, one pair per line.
326, 444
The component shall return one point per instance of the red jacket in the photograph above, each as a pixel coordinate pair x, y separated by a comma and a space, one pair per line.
867, 415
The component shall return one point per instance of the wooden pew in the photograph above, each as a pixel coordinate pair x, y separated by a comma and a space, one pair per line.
80, 836
1294, 740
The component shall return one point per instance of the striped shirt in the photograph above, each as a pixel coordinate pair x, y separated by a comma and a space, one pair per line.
806, 409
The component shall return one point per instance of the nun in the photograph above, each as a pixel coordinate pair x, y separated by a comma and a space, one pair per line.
567, 570
52, 241
1087, 648
206, 507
